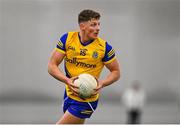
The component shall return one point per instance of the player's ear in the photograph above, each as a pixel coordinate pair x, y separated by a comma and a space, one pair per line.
82, 26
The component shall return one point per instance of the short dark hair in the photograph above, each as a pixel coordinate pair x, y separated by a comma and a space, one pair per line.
87, 15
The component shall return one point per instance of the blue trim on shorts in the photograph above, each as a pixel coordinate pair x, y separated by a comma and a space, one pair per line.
79, 109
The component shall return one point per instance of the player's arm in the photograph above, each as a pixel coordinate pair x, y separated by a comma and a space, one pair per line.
112, 65
56, 58
114, 74
53, 69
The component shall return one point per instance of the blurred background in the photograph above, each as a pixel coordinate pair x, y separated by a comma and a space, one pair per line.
144, 33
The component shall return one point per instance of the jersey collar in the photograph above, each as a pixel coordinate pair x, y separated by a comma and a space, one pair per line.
86, 43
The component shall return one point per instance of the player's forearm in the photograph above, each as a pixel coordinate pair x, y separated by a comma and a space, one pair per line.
54, 71
111, 78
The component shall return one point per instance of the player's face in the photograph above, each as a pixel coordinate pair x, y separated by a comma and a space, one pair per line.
92, 28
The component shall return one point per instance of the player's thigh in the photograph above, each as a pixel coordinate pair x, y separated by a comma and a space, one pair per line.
68, 118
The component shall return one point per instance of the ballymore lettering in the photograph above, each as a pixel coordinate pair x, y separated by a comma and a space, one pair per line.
77, 63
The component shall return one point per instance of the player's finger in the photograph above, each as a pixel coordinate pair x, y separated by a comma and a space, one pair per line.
74, 86
75, 94
96, 79
74, 78
98, 87
95, 92
75, 91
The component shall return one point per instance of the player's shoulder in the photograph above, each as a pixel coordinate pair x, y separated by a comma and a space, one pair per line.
72, 34
69, 33
101, 41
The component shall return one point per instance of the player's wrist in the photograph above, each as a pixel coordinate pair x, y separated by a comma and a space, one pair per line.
102, 84
67, 81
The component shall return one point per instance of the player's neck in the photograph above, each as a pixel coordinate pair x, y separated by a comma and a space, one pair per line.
83, 37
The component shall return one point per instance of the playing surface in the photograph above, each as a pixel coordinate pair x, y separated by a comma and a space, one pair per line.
107, 112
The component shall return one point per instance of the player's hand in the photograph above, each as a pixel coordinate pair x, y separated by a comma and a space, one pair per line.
98, 88
74, 88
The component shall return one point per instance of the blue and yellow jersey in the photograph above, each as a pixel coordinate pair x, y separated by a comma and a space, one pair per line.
88, 57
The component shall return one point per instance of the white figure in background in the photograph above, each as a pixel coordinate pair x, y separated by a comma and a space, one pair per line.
134, 99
